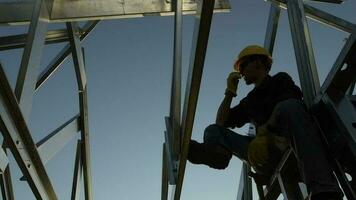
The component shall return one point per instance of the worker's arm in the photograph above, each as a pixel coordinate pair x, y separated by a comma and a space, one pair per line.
230, 92
224, 109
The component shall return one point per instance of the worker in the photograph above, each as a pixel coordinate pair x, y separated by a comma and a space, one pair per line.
276, 108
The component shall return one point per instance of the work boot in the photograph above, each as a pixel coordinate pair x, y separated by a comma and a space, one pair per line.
213, 155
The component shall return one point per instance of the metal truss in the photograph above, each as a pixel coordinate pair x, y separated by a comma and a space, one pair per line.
15, 106
334, 97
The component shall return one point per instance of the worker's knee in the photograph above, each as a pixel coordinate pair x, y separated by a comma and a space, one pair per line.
213, 133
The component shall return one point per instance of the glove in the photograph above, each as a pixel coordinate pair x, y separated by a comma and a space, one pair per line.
232, 81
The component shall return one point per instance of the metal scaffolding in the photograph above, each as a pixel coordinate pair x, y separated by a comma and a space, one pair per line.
334, 97
15, 106
332, 104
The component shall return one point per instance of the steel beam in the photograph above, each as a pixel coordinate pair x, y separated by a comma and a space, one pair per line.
303, 50
78, 60
164, 190
49, 146
78, 171
19, 41
63, 55
344, 114
199, 46
13, 127
248, 183
4, 161
272, 27
31, 59
83, 10
343, 73
289, 186
171, 163
77, 55
175, 109
240, 192
6, 185
83, 99
322, 17
5, 181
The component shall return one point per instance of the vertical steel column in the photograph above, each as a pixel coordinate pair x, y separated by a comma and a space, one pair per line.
31, 59
272, 26
164, 189
248, 183
175, 111
83, 101
289, 186
77, 176
198, 52
303, 50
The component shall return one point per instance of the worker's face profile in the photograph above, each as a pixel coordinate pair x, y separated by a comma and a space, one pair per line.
249, 70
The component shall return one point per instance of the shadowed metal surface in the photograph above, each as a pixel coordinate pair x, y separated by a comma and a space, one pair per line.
80, 10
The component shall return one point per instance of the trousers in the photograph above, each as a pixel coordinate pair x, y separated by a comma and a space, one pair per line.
290, 120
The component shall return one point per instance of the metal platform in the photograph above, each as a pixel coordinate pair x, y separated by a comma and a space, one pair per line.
82, 10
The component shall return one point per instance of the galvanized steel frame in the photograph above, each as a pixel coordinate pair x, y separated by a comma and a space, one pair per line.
31, 157
28, 83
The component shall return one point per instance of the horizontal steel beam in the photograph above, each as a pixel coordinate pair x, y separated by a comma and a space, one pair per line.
14, 129
83, 10
322, 17
19, 41
198, 52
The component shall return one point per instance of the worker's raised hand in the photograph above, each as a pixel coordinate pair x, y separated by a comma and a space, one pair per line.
232, 82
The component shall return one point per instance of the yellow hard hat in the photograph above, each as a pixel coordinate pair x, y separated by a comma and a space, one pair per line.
248, 51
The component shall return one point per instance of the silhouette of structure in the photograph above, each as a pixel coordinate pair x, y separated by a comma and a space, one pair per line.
15, 106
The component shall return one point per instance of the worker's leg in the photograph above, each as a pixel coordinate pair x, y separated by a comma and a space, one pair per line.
290, 119
235, 143
219, 145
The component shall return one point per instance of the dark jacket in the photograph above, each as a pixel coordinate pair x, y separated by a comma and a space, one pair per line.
258, 105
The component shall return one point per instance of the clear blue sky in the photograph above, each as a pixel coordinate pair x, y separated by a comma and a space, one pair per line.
129, 65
